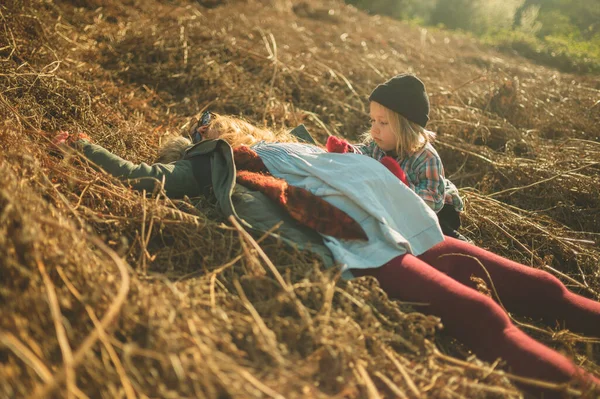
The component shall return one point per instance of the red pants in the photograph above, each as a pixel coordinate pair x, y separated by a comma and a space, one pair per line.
441, 278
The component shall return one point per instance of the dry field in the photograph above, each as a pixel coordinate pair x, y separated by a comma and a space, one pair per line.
106, 293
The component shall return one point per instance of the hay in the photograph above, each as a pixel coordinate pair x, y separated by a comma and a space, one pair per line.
109, 293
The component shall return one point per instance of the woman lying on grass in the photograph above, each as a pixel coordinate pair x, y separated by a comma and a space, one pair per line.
351, 201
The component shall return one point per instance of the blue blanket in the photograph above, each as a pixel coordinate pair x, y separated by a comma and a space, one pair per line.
395, 219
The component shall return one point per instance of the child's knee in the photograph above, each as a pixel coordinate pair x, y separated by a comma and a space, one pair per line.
549, 286
477, 313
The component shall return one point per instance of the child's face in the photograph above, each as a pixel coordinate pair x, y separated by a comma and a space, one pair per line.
381, 131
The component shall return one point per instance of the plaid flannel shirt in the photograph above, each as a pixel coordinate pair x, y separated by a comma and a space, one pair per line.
425, 174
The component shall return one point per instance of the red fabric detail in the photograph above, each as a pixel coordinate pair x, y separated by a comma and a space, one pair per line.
321, 216
275, 189
302, 205
338, 145
393, 167
246, 158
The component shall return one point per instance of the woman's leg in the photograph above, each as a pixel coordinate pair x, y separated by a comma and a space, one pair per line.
522, 289
473, 318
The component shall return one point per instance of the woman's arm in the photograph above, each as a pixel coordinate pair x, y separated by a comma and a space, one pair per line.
178, 177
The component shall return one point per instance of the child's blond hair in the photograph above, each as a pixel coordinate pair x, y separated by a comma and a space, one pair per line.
410, 136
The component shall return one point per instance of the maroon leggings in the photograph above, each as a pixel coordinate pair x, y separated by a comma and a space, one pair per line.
441, 278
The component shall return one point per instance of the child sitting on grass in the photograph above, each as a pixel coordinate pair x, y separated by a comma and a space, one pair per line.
399, 110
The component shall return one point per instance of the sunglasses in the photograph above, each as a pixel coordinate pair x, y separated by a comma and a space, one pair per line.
205, 120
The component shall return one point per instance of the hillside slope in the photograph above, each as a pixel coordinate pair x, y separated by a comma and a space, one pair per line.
107, 293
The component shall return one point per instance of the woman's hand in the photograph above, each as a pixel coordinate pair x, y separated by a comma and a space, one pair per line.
196, 131
60, 139
65, 138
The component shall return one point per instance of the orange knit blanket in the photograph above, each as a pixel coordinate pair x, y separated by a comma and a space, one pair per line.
301, 204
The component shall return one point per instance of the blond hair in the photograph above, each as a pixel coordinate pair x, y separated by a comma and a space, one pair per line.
234, 131
173, 149
410, 136
237, 131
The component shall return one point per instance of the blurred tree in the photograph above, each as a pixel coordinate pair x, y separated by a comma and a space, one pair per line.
568, 18
400, 9
564, 33
478, 16
558, 17
420, 9
556, 23
528, 20
584, 14
454, 14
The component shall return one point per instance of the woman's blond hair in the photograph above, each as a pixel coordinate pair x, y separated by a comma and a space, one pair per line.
410, 137
237, 131
173, 149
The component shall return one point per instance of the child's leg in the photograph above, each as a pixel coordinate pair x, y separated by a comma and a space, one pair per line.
521, 289
473, 318
449, 220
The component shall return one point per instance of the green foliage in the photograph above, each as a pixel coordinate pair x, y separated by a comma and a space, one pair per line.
477, 16
554, 22
382, 7
400, 9
565, 53
453, 14
584, 15
561, 33
528, 20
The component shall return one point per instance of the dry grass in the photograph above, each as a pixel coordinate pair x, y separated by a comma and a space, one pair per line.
107, 293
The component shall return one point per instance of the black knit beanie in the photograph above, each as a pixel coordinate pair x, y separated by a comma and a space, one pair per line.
404, 94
